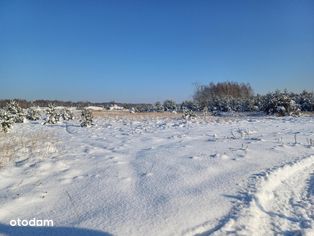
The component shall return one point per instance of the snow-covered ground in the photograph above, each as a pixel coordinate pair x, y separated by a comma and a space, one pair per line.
237, 176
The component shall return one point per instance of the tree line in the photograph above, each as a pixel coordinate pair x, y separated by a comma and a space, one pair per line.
219, 97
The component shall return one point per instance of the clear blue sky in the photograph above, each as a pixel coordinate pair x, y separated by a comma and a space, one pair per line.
144, 51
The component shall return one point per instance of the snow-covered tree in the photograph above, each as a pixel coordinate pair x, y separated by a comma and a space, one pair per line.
14, 110
53, 116
170, 105
280, 103
86, 118
223, 93
189, 105
6, 121
33, 114
159, 107
143, 107
67, 114
306, 101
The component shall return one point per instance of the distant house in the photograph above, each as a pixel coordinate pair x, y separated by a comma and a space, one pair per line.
95, 108
115, 107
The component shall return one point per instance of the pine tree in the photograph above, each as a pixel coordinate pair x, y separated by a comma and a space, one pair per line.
17, 113
6, 121
33, 114
67, 114
280, 103
306, 101
86, 118
189, 105
170, 105
159, 107
53, 116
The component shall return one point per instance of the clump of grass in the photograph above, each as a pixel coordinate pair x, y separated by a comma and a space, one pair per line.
25, 145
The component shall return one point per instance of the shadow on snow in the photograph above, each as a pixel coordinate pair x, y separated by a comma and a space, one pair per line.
43, 231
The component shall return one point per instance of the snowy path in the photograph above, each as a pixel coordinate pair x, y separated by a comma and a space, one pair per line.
281, 204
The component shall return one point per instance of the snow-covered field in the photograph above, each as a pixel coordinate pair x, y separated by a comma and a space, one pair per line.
160, 176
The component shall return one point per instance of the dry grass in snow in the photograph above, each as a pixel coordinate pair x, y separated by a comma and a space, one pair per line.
25, 145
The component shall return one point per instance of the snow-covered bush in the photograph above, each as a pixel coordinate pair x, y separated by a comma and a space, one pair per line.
53, 116
170, 105
280, 103
132, 110
6, 121
144, 108
86, 118
159, 107
33, 114
226, 97
189, 105
66, 114
15, 111
227, 104
188, 114
219, 104
12, 113
306, 101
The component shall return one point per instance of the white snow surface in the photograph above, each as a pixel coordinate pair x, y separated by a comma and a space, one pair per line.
224, 176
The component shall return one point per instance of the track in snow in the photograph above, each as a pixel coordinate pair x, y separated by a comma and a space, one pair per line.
278, 202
